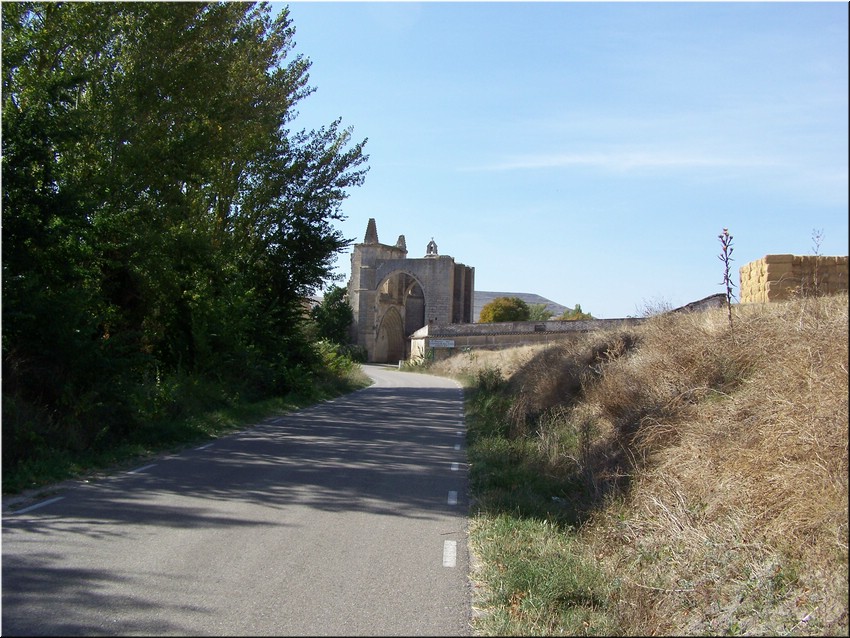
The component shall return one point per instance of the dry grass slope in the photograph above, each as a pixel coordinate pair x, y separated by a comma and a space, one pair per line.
717, 462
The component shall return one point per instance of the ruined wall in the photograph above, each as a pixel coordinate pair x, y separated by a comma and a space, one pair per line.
392, 295
777, 277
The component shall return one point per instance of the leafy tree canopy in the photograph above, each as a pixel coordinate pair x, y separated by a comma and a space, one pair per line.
576, 314
161, 212
504, 309
539, 312
333, 316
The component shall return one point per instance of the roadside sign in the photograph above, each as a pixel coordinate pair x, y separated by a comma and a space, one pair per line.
441, 343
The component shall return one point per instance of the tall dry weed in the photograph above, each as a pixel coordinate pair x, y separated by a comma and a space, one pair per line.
741, 516
467, 364
560, 375
715, 463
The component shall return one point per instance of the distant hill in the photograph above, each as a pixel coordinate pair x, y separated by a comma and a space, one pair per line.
483, 297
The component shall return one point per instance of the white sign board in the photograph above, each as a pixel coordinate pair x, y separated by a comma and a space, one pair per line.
441, 343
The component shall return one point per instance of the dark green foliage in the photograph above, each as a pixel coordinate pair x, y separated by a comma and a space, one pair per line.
356, 353
333, 316
539, 312
505, 309
161, 220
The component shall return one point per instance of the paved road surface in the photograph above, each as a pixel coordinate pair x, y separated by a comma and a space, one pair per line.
348, 518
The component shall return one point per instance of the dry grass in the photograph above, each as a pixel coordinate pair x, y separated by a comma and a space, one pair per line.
467, 364
717, 462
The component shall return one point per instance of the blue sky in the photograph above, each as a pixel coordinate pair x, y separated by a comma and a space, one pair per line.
589, 152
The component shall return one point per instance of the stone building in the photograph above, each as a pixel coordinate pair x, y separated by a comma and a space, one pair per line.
392, 296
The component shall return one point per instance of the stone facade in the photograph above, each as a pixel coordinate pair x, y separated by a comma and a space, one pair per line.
778, 277
393, 296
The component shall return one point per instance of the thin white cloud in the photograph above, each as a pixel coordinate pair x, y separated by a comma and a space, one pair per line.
621, 161
739, 137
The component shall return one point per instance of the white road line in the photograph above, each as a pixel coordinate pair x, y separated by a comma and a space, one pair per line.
452, 500
142, 469
449, 553
455, 467
457, 446
459, 433
204, 447
37, 505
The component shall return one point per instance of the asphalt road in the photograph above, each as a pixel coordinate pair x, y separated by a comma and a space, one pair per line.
347, 518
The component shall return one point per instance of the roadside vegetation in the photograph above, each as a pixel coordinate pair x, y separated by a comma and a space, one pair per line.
164, 221
179, 411
675, 478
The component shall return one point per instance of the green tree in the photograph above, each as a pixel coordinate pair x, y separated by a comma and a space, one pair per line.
504, 309
333, 316
539, 312
161, 214
576, 314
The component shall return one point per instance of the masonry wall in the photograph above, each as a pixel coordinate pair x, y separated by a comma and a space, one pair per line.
362, 284
778, 277
496, 336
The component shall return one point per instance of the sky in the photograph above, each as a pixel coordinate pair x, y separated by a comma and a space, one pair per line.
590, 153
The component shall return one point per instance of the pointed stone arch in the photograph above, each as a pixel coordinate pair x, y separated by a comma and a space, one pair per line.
414, 308
400, 309
390, 342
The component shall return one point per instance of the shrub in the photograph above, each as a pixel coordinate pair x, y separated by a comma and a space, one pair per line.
334, 358
333, 316
576, 314
505, 309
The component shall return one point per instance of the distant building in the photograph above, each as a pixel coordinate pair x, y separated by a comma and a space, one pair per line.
392, 296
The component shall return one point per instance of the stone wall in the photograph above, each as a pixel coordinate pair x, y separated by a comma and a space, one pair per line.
777, 277
443, 340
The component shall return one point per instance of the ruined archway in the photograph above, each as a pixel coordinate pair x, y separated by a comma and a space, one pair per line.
393, 296
390, 342
414, 308
400, 309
